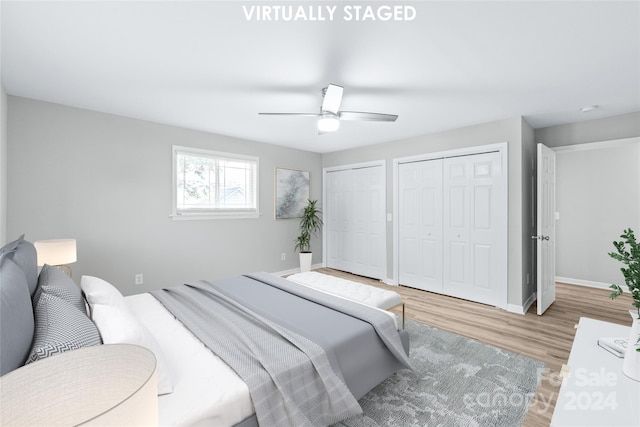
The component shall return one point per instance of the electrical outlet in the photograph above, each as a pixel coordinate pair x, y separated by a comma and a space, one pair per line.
139, 279
283, 256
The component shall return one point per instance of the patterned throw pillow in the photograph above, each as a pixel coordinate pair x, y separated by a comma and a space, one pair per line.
60, 327
55, 282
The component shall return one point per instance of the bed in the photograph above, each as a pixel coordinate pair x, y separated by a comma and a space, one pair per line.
347, 347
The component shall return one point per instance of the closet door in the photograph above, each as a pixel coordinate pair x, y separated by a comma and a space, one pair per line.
420, 224
333, 218
355, 221
474, 227
368, 221
339, 219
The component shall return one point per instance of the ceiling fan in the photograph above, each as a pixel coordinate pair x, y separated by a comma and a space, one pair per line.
330, 115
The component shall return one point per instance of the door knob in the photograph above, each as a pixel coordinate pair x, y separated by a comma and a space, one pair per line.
540, 237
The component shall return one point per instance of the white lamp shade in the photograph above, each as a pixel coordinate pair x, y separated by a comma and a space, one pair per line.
56, 251
102, 385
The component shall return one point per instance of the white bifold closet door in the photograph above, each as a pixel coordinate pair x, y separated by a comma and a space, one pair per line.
355, 221
420, 231
452, 226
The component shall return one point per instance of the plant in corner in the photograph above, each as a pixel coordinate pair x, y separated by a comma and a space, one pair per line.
628, 253
310, 224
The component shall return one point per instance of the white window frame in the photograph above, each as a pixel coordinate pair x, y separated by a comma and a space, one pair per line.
198, 214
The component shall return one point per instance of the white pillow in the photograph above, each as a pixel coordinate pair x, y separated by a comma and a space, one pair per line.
98, 291
118, 326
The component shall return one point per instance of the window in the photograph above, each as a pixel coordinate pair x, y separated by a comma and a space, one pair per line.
211, 184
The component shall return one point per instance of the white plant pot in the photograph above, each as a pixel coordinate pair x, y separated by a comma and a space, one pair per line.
631, 362
305, 261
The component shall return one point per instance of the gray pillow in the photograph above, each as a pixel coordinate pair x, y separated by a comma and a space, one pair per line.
24, 254
11, 246
55, 282
16, 316
60, 327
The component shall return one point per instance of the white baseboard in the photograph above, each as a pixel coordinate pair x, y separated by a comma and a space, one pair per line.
389, 282
582, 282
522, 309
514, 308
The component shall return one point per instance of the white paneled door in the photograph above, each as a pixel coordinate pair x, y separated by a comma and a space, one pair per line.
546, 226
355, 220
336, 195
420, 224
453, 226
474, 226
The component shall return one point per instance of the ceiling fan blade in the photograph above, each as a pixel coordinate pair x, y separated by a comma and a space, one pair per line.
332, 98
372, 117
291, 114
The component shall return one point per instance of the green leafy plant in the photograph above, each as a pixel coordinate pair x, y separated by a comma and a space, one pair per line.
310, 224
628, 253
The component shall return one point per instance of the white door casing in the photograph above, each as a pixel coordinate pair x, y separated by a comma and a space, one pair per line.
546, 228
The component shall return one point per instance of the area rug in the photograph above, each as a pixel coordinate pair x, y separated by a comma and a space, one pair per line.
456, 382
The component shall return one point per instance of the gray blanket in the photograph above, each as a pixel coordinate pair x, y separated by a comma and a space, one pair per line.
362, 366
289, 377
384, 325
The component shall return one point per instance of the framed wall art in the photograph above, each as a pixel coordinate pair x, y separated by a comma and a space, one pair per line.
292, 192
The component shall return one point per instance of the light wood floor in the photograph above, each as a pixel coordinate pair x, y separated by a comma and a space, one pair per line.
547, 338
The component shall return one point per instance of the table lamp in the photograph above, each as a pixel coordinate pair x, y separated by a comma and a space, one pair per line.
57, 252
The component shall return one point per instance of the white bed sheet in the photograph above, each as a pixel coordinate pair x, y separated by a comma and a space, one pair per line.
205, 390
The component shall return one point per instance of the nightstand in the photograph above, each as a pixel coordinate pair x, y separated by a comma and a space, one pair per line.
594, 391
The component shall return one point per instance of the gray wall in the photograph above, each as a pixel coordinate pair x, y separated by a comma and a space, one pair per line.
617, 127
106, 181
510, 131
597, 195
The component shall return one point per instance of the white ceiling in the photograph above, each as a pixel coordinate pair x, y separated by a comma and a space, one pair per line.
203, 65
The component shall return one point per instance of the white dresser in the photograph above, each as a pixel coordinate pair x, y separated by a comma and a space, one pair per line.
595, 392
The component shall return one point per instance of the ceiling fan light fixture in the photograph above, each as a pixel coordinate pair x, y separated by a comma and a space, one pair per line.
328, 123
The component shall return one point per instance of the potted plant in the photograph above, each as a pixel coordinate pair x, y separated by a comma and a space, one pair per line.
628, 253
310, 224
